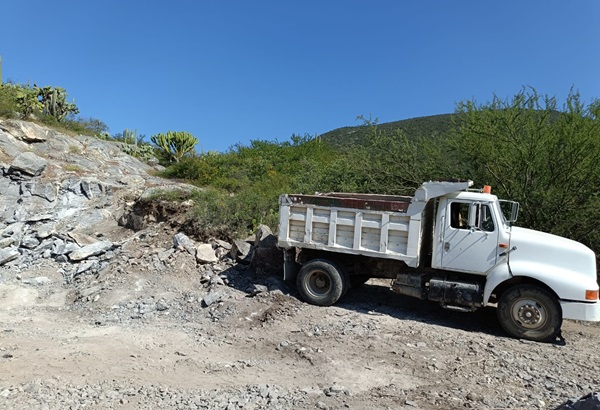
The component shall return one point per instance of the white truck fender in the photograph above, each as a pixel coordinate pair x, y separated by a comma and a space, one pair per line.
567, 284
496, 276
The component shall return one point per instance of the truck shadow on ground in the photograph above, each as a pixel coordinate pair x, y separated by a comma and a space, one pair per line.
378, 298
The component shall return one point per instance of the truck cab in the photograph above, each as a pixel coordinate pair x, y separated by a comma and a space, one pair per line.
470, 233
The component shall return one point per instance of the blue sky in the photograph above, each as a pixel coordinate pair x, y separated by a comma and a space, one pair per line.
232, 71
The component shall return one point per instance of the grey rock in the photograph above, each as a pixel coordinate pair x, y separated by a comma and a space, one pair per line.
86, 190
38, 281
166, 254
30, 242
5, 242
28, 163
42, 190
216, 280
45, 230
90, 250
161, 306
37, 216
82, 239
241, 251
220, 244
14, 230
61, 247
182, 241
26, 131
84, 267
8, 255
212, 298
205, 253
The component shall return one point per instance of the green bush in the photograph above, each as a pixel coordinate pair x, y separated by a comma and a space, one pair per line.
8, 100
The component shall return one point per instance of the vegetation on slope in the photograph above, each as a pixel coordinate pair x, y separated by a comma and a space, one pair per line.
527, 147
421, 127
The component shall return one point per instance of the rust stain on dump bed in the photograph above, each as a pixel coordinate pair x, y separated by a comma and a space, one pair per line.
356, 201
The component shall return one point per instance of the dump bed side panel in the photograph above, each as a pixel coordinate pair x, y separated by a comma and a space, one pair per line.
377, 227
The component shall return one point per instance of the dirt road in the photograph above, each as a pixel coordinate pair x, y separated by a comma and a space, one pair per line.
131, 339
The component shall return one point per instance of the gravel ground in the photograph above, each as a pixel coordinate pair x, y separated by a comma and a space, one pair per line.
154, 330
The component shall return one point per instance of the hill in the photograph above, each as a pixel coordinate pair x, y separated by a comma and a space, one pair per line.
428, 126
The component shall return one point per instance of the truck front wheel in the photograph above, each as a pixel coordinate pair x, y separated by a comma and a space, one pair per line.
529, 312
321, 282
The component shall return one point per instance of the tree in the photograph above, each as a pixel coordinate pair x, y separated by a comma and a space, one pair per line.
542, 156
175, 144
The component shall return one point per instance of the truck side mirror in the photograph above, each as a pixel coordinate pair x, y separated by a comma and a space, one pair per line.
514, 213
473, 215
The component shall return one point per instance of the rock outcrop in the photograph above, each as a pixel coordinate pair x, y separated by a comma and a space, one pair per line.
71, 198
56, 189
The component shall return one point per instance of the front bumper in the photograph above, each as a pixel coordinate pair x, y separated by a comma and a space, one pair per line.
581, 310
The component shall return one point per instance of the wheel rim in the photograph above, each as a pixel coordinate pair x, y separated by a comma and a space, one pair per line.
319, 283
529, 313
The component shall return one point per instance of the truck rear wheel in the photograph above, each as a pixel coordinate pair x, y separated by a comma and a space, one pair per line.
321, 282
529, 312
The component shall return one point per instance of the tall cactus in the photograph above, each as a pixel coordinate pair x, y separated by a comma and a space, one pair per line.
54, 101
175, 144
130, 137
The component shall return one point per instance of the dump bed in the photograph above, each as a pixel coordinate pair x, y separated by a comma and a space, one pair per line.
382, 226
356, 224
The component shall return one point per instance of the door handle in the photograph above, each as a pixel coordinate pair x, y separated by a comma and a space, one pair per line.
446, 246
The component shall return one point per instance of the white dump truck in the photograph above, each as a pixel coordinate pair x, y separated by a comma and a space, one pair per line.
449, 244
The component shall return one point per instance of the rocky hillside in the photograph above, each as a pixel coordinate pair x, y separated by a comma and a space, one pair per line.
67, 198
62, 196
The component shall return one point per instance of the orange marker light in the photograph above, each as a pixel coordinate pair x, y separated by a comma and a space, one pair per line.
487, 189
591, 295
503, 245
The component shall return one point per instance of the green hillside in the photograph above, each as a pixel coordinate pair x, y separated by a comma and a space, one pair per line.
431, 126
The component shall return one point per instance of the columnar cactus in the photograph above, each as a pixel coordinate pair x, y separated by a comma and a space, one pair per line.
54, 101
175, 144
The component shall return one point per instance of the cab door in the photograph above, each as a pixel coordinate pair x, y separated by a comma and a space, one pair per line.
470, 238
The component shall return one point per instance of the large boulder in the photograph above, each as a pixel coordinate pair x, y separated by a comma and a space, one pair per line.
90, 250
241, 251
28, 163
206, 254
267, 258
28, 132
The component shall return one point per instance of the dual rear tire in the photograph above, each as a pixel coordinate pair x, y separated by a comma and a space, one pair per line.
321, 282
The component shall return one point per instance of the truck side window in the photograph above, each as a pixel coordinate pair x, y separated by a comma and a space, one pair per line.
459, 215
487, 222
